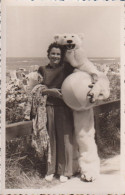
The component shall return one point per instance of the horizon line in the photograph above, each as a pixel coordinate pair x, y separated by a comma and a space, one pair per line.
46, 57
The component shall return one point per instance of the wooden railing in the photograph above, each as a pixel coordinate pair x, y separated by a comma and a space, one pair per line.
19, 129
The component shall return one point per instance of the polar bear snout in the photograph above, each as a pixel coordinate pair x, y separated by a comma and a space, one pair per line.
69, 41
69, 44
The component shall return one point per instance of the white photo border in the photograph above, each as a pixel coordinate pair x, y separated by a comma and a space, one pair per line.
6, 3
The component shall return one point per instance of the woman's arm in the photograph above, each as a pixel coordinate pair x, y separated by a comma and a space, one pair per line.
53, 92
49, 92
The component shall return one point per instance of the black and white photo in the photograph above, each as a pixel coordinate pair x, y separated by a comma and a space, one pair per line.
62, 78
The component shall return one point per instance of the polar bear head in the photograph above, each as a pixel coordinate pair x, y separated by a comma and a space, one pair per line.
69, 41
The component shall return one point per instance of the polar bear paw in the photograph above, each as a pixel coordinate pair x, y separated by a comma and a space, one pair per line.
97, 92
99, 89
91, 97
88, 177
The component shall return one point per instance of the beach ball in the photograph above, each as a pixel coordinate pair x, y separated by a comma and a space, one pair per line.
75, 89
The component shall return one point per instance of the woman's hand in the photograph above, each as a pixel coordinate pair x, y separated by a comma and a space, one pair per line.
53, 92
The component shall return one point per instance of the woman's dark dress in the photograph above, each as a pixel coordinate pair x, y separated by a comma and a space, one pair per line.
59, 122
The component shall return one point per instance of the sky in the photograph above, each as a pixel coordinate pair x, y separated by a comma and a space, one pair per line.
30, 29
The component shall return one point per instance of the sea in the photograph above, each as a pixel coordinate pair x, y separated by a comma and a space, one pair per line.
14, 63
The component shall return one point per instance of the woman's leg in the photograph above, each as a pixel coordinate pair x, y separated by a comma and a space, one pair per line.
64, 131
52, 135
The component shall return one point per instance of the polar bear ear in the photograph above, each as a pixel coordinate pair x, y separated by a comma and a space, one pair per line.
56, 37
81, 35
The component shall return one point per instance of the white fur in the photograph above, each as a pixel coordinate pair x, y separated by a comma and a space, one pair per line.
77, 58
89, 161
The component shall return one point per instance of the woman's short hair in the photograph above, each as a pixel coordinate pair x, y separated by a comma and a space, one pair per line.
56, 45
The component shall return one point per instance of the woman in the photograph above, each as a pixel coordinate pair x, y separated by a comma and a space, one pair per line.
59, 116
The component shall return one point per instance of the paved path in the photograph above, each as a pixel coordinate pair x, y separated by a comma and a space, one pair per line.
108, 181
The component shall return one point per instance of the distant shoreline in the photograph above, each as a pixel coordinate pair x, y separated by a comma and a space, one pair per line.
45, 59
13, 63
9, 58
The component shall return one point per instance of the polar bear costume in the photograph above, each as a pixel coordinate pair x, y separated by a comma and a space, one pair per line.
76, 94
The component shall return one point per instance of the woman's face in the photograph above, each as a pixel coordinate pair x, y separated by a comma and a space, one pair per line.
55, 56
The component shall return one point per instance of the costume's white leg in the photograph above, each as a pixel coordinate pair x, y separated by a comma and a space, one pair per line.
85, 135
75, 155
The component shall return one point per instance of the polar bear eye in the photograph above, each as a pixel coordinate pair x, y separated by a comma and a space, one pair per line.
72, 36
64, 36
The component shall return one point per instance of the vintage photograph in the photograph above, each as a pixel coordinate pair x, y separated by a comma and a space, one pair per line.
62, 109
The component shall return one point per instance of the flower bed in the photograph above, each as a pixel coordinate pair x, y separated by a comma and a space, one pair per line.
16, 98
16, 93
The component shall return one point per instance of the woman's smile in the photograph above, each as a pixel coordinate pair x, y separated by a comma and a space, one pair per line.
55, 56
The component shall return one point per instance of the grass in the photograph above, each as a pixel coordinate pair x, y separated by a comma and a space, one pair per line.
108, 133
18, 178
23, 168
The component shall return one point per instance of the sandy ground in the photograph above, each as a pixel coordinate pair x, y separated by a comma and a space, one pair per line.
108, 181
